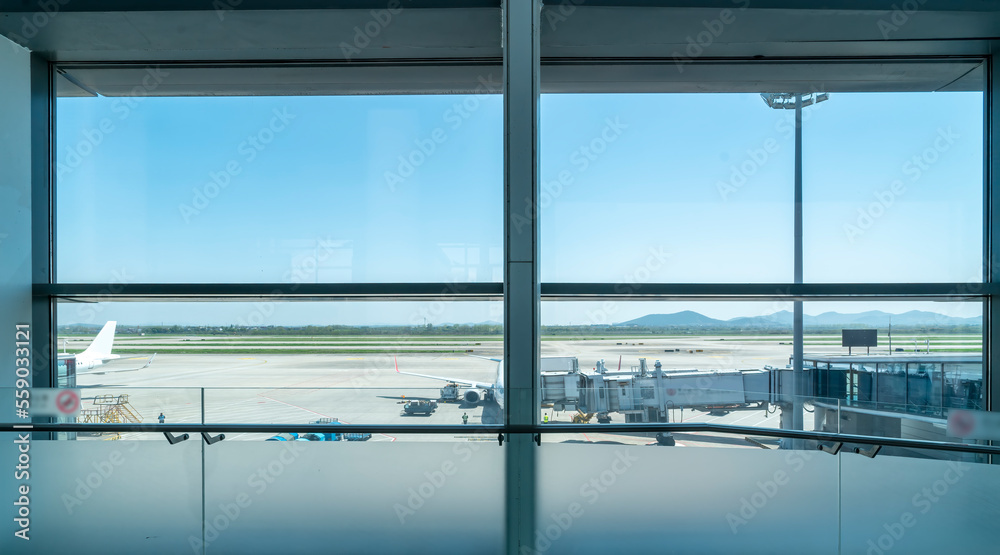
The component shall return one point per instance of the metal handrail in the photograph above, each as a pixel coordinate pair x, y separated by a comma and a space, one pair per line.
501, 429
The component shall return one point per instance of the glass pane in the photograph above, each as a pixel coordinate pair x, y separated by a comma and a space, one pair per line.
684, 173
924, 359
355, 498
906, 505
147, 494
678, 362
893, 188
287, 362
279, 189
731, 363
618, 498
640, 188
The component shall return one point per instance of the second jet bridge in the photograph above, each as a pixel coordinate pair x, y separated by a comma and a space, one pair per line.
925, 384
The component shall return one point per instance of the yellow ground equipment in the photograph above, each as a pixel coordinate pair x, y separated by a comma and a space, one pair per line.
111, 409
582, 417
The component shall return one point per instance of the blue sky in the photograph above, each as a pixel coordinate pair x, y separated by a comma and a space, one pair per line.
637, 189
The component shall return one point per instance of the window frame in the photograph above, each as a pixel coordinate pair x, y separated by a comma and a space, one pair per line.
521, 291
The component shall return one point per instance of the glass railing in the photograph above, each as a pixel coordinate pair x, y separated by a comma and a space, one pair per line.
131, 496
346, 471
643, 499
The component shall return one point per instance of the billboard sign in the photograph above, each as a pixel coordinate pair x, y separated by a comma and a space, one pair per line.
859, 338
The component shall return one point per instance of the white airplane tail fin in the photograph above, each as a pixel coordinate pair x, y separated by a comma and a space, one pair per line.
100, 348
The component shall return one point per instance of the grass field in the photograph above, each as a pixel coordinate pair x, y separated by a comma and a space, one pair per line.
449, 344
266, 351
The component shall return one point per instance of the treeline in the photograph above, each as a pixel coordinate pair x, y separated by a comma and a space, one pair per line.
242, 331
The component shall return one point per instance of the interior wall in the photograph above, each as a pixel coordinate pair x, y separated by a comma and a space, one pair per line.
15, 237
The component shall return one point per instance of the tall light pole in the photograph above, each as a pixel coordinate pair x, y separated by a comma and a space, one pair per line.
792, 101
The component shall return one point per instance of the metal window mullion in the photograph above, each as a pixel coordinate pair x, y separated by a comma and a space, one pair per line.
798, 380
772, 291
991, 234
521, 277
254, 291
42, 105
553, 291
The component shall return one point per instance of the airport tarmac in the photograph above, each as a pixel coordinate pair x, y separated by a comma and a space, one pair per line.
366, 389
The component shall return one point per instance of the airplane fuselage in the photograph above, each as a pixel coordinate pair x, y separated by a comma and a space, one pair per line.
87, 364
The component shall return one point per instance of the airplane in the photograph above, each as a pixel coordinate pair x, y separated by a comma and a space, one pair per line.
476, 390
495, 391
98, 353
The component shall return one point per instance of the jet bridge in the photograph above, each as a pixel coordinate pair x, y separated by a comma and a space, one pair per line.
644, 395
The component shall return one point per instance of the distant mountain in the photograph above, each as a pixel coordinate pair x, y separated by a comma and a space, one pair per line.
783, 319
686, 318
879, 319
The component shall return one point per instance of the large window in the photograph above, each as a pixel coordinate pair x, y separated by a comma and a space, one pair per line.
166, 178
717, 183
